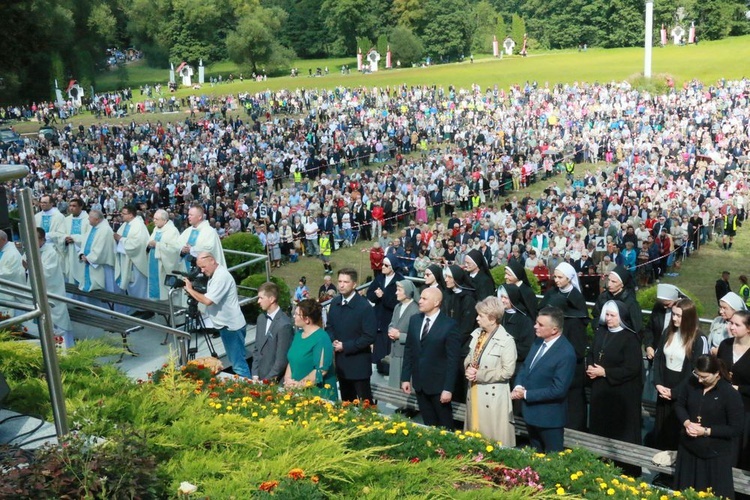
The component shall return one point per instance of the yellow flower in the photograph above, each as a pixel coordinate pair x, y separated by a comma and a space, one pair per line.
611, 491
574, 476
702, 494
255, 414
664, 497
560, 491
290, 412
405, 432
229, 408
603, 486
615, 481
274, 411
217, 406
287, 397
462, 437
327, 386
489, 448
677, 494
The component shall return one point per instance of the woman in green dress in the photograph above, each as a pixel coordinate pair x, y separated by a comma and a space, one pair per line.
311, 353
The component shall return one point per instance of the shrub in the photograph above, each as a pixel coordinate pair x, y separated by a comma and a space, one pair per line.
119, 467
254, 281
243, 242
647, 298
498, 274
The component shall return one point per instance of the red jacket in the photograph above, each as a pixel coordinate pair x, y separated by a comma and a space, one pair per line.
376, 258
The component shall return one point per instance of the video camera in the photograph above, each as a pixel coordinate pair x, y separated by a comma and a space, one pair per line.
196, 277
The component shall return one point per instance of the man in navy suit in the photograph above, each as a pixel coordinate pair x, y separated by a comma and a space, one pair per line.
352, 326
544, 379
432, 356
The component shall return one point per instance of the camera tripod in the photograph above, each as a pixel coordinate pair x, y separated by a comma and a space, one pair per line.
196, 327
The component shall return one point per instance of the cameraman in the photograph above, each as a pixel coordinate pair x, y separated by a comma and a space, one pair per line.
223, 309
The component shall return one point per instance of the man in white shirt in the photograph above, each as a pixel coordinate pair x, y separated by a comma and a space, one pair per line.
223, 310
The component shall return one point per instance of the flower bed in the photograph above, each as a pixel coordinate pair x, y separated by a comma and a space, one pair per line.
223, 438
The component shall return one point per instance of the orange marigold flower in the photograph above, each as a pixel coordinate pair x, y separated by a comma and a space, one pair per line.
315, 479
268, 485
296, 473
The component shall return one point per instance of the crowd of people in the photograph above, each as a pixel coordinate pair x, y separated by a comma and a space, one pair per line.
430, 176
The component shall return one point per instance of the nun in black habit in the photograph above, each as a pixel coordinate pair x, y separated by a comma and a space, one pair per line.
515, 274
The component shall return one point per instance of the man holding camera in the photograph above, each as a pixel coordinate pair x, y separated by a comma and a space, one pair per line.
223, 309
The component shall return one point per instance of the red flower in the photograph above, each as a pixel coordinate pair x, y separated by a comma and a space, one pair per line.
415, 460
296, 474
268, 485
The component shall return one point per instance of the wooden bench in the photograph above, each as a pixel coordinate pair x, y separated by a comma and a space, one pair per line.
111, 298
106, 323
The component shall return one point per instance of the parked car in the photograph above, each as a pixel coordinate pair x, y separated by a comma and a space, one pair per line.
50, 134
8, 137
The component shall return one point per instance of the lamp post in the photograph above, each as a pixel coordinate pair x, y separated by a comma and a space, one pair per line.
648, 41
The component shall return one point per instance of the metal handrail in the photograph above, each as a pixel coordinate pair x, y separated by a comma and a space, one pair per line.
254, 258
109, 312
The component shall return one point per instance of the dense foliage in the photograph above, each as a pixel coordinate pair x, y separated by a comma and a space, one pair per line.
191, 435
62, 39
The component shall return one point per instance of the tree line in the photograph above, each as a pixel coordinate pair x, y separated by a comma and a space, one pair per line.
46, 40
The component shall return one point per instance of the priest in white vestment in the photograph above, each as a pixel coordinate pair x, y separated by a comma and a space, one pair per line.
98, 255
199, 237
52, 221
76, 225
163, 255
53, 276
131, 260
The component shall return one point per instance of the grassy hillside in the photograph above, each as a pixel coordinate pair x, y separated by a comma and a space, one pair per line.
708, 61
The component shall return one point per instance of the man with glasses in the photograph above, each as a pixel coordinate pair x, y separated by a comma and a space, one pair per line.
223, 310
131, 262
163, 255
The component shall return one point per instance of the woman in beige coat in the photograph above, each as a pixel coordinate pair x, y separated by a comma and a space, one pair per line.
489, 367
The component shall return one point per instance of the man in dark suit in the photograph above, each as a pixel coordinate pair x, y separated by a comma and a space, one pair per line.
412, 232
544, 379
351, 326
432, 356
273, 336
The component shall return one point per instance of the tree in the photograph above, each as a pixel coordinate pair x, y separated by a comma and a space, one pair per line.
349, 19
447, 33
405, 46
409, 13
254, 42
517, 30
484, 24
501, 31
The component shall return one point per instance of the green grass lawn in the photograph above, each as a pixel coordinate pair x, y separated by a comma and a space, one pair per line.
708, 61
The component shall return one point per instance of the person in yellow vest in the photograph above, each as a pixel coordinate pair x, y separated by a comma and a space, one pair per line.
744, 290
731, 221
476, 199
325, 252
570, 168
